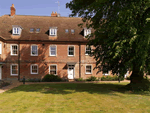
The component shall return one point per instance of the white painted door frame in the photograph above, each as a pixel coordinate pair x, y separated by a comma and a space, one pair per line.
71, 76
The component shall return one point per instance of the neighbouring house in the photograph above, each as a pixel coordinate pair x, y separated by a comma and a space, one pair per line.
33, 46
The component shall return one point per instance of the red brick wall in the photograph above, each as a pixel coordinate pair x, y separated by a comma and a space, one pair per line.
44, 60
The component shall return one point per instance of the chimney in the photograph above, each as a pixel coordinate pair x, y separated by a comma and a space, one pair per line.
54, 14
13, 10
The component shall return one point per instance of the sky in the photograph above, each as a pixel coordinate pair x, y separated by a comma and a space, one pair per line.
35, 7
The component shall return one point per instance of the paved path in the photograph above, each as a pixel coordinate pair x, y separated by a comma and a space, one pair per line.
17, 83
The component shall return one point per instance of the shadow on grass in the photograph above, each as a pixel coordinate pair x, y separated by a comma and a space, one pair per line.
70, 88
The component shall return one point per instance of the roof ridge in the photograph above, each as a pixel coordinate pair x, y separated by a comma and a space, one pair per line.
40, 16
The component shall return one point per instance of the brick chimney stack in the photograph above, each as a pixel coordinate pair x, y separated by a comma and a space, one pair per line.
54, 14
13, 10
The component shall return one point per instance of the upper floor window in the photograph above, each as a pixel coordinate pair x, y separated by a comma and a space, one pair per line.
34, 69
32, 30
88, 69
53, 31
38, 30
87, 50
14, 49
72, 31
14, 69
71, 51
34, 50
87, 32
53, 50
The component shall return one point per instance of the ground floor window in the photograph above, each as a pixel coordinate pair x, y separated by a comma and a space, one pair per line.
88, 69
106, 72
53, 69
34, 69
14, 69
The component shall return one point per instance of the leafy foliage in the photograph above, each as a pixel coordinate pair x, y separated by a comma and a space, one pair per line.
51, 78
121, 33
92, 78
111, 78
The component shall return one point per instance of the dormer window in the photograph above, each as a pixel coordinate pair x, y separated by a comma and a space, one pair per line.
38, 30
16, 30
53, 31
32, 30
87, 32
66, 30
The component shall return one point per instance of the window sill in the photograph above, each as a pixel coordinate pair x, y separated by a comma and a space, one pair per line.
71, 55
88, 73
34, 73
14, 55
34, 55
52, 55
14, 75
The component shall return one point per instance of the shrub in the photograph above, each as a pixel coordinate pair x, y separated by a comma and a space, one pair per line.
92, 78
80, 79
112, 78
51, 78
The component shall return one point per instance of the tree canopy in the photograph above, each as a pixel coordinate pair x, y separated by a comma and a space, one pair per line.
121, 34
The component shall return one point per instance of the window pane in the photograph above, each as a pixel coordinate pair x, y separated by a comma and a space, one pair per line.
53, 48
71, 48
53, 67
70, 53
52, 72
53, 53
34, 50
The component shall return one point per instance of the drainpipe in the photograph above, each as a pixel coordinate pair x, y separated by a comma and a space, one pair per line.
79, 60
19, 61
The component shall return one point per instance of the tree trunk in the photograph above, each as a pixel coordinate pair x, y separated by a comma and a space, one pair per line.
137, 75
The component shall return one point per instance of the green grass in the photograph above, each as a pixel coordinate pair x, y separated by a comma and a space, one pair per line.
73, 98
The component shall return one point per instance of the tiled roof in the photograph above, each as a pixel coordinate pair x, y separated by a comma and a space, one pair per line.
44, 23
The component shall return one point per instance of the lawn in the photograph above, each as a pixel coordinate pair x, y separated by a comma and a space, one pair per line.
73, 98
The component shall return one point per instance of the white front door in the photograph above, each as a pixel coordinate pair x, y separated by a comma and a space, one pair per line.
0, 72
70, 71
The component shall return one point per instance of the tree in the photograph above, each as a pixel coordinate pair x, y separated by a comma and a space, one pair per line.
121, 34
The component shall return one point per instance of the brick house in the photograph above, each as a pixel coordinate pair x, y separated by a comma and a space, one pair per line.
33, 46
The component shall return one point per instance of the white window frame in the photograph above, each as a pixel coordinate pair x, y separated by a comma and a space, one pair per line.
86, 49
31, 68
55, 29
11, 52
11, 70
0, 48
106, 73
15, 30
91, 69
50, 50
31, 50
74, 50
87, 32
50, 68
